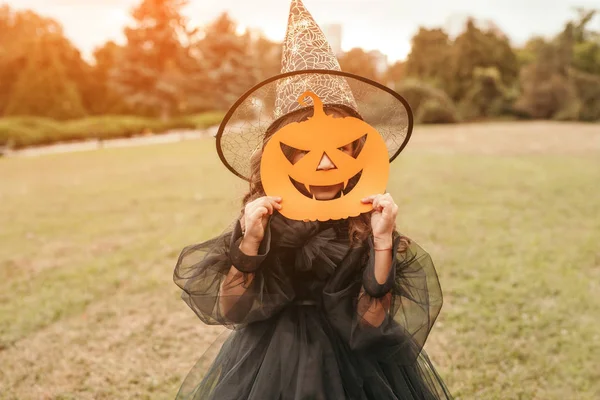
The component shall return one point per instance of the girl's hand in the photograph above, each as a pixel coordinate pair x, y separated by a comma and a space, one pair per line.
383, 219
255, 219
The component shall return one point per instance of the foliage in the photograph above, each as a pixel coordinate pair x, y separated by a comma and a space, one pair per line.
18, 132
157, 71
359, 62
226, 56
429, 55
44, 87
104, 96
586, 49
475, 49
429, 104
528, 53
555, 85
395, 74
588, 93
486, 97
168, 70
266, 56
586, 57
546, 94
41, 72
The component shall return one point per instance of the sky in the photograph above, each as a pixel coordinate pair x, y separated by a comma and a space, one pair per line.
385, 25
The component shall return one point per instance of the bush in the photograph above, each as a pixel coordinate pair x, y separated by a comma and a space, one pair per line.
19, 132
108, 127
435, 112
486, 96
28, 131
547, 94
204, 120
429, 104
588, 91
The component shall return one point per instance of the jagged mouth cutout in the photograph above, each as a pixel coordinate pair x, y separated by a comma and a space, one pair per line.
347, 187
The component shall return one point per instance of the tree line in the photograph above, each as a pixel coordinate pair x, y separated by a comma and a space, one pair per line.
167, 69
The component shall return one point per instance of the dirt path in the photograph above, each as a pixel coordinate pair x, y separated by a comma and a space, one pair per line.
173, 136
477, 138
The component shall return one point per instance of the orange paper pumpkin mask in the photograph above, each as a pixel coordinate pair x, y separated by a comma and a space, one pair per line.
322, 135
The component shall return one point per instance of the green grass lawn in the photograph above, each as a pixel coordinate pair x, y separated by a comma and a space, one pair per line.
88, 242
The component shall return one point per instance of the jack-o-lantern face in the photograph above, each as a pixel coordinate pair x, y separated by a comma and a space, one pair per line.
367, 169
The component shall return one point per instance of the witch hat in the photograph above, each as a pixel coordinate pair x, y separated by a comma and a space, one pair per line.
305, 48
308, 64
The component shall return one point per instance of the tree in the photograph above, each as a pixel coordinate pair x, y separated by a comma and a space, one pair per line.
228, 61
428, 58
41, 72
429, 104
359, 62
558, 84
586, 57
474, 49
546, 90
528, 53
267, 57
588, 91
395, 73
586, 48
44, 88
103, 91
486, 97
157, 69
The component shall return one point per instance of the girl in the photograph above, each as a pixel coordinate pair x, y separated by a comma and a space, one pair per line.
320, 310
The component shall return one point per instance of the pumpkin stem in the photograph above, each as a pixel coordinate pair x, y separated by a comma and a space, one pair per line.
318, 104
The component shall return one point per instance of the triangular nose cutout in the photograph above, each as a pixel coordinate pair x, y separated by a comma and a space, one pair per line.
329, 164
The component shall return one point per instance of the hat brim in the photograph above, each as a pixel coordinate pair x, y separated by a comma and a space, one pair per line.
243, 128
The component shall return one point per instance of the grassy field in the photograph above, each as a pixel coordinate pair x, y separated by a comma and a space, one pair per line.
509, 211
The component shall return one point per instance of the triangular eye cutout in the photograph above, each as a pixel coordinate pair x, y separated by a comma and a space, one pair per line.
354, 148
291, 153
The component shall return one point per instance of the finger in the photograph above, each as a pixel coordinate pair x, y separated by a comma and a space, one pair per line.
375, 203
369, 199
260, 202
268, 205
387, 210
257, 209
258, 214
387, 196
378, 202
274, 203
383, 203
271, 204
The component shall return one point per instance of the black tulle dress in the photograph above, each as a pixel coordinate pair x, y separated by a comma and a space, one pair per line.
299, 329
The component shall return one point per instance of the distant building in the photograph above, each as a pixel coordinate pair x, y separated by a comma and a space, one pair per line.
333, 33
380, 60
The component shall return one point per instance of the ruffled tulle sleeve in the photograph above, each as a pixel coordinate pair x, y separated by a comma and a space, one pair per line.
404, 307
202, 269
